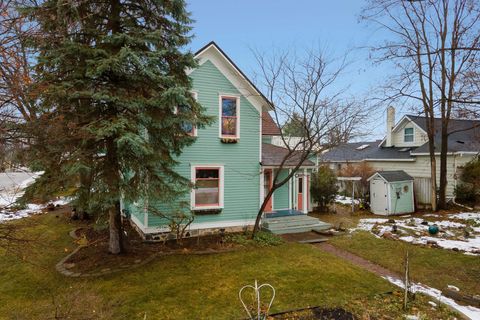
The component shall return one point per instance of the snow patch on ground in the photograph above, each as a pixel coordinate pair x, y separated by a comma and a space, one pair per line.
469, 311
31, 209
463, 234
345, 200
12, 186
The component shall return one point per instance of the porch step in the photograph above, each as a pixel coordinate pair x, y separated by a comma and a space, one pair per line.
291, 220
298, 229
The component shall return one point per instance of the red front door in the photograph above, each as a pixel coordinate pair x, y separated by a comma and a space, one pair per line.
300, 193
267, 185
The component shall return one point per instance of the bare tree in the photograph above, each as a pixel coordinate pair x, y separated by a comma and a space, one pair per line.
303, 91
17, 94
434, 47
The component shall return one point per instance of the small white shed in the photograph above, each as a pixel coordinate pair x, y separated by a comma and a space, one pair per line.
391, 192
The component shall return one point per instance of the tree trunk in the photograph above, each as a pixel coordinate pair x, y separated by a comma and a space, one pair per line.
115, 218
433, 174
256, 228
115, 245
84, 195
442, 194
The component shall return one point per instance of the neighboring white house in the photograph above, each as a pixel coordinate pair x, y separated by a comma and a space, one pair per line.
405, 147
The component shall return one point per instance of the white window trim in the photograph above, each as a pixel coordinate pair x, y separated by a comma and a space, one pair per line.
220, 191
227, 95
413, 134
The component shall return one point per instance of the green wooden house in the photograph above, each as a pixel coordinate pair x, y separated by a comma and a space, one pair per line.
232, 161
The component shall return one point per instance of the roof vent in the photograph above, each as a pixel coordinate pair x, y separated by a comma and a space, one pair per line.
459, 141
363, 146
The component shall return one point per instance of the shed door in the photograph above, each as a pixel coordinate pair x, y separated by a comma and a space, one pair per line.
378, 194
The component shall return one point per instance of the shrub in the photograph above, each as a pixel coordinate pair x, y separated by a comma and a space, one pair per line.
468, 190
362, 187
324, 187
262, 238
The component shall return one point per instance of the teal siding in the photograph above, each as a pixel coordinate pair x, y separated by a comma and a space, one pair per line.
280, 196
405, 203
240, 160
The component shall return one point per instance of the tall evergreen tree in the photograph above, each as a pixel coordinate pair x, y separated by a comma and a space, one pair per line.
111, 75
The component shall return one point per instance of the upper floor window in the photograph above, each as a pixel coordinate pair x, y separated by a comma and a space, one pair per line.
230, 117
186, 125
408, 135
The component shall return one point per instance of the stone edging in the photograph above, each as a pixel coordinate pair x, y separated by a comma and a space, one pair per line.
60, 266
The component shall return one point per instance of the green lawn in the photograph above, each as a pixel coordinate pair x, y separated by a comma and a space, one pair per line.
185, 287
434, 267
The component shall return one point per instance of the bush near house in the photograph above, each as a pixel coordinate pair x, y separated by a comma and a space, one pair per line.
324, 187
362, 187
468, 190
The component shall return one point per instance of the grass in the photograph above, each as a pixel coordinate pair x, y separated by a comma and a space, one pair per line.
434, 267
186, 287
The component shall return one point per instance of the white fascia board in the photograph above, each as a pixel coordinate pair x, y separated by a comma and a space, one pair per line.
372, 160
212, 54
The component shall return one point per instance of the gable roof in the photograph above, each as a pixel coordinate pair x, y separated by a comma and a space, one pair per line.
392, 176
269, 127
211, 51
464, 134
273, 155
359, 151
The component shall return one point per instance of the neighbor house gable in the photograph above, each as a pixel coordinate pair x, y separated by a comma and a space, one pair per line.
398, 134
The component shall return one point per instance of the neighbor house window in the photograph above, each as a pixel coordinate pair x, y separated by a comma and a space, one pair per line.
229, 127
208, 187
408, 135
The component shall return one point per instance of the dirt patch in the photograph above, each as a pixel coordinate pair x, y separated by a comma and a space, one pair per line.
93, 258
304, 236
315, 313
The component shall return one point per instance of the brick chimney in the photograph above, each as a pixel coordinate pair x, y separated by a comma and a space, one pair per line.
390, 125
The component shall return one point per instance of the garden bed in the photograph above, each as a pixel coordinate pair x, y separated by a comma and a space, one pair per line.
92, 257
315, 313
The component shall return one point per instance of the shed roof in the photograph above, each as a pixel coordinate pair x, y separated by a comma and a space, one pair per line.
393, 176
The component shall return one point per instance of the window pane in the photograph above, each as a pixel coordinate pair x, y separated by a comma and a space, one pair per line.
207, 190
229, 126
408, 135
207, 173
206, 196
185, 125
229, 107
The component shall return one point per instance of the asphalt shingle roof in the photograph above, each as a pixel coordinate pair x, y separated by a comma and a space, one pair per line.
355, 152
273, 155
269, 127
464, 134
392, 176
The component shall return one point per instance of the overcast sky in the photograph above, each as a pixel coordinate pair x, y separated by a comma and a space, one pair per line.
239, 25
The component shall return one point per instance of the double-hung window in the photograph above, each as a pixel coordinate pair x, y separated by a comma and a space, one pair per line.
408, 135
208, 191
186, 125
230, 117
